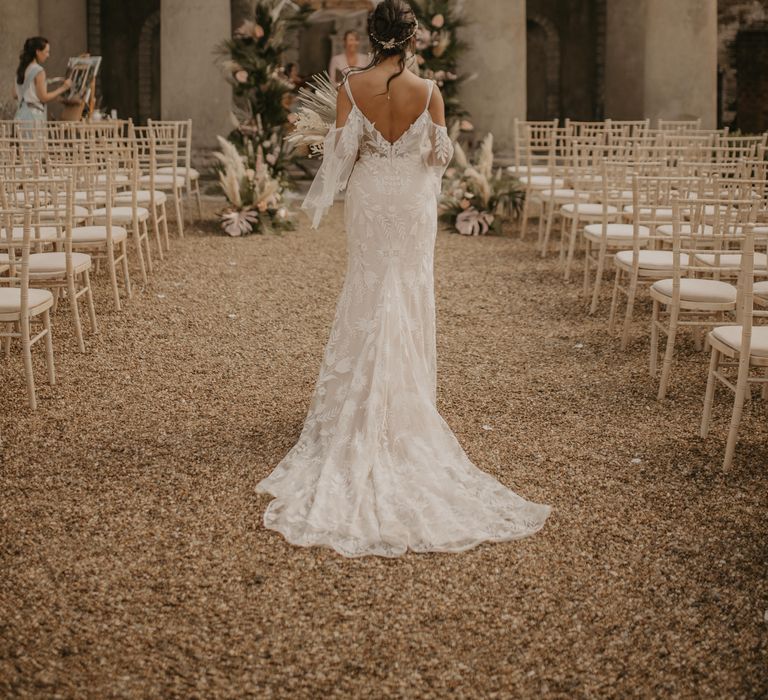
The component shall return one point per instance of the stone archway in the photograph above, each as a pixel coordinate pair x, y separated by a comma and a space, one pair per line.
149, 68
543, 68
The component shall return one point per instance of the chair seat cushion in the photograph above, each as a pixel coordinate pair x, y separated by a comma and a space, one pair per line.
50, 213
760, 291
142, 197
164, 180
563, 193
193, 174
120, 178
96, 197
542, 181
651, 259
731, 336
10, 300
658, 213
703, 231
697, 290
589, 208
97, 234
42, 233
512, 169
55, 264
622, 232
730, 261
121, 215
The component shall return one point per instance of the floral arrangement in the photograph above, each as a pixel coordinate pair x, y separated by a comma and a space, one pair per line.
438, 50
477, 199
315, 117
255, 197
251, 62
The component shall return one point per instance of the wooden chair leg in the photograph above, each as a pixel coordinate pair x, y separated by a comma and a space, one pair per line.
738, 405
547, 232
197, 198
73, 305
145, 238
89, 299
164, 219
113, 276
49, 347
631, 292
179, 212
156, 232
614, 299
524, 217
598, 280
706, 416
669, 353
26, 351
571, 247
126, 274
140, 253
587, 267
654, 338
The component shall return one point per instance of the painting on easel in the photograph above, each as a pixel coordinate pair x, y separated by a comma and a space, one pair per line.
82, 71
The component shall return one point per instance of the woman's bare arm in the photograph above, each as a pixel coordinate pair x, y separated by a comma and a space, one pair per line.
41, 88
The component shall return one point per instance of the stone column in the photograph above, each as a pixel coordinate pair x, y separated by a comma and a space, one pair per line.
496, 39
680, 67
18, 21
625, 58
192, 85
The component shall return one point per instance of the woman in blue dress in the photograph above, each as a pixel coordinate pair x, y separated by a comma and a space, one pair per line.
31, 89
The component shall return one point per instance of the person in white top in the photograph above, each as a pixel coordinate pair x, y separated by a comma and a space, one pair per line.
351, 58
31, 90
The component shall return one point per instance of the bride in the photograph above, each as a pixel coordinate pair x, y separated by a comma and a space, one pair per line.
376, 470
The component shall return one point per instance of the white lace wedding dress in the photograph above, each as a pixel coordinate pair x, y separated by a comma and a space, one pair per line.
376, 470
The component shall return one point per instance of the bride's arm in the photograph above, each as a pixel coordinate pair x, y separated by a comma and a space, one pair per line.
438, 149
437, 107
340, 151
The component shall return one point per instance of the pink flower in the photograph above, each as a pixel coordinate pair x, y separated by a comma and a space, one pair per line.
258, 31
271, 158
438, 21
241, 76
473, 223
466, 125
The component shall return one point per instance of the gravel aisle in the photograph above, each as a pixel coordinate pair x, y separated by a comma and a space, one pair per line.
133, 560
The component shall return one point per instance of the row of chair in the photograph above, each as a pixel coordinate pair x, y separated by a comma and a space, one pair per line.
683, 220
75, 198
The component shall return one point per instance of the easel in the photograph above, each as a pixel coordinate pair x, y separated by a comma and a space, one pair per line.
75, 105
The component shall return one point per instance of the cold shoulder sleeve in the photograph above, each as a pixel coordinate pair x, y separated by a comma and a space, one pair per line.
340, 150
436, 152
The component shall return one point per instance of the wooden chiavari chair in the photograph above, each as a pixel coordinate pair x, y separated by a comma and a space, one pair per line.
743, 347
21, 304
61, 270
695, 295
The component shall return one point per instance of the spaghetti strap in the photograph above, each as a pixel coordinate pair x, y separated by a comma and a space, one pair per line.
349, 91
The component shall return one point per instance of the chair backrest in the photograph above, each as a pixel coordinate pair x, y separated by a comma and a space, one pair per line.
18, 248
679, 124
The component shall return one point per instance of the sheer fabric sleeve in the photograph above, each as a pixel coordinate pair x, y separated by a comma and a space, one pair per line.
436, 152
339, 155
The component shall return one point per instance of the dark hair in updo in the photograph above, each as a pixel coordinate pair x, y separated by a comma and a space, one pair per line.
390, 20
29, 54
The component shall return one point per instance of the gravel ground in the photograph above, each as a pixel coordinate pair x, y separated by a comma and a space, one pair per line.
134, 562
